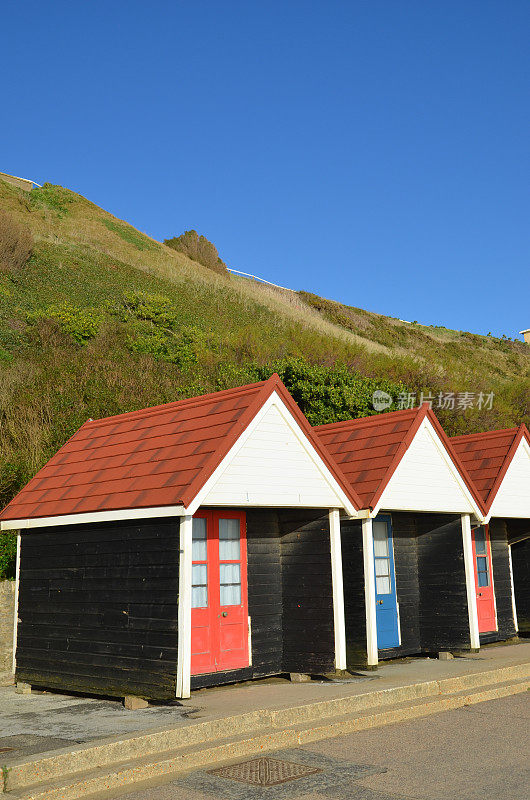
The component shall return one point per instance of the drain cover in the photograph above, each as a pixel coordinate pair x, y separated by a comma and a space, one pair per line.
264, 771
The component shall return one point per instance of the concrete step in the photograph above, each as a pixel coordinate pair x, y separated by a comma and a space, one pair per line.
154, 756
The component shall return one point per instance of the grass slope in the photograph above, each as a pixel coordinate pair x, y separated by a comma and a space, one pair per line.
103, 319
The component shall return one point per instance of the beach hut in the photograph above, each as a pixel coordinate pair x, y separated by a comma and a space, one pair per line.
499, 465
407, 566
187, 545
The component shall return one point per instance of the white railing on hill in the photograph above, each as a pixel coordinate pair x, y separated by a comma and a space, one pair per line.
260, 280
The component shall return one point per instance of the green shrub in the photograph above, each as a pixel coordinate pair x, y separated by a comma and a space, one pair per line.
16, 243
8, 555
177, 349
199, 249
327, 393
81, 324
154, 307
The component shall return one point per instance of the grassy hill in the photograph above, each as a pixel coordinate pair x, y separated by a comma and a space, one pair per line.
104, 319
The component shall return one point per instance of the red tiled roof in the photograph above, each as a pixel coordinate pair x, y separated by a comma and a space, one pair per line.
158, 456
368, 450
487, 456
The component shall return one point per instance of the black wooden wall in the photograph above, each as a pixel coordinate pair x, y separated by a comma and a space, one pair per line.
289, 596
444, 618
98, 608
407, 585
521, 583
353, 582
430, 584
308, 626
502, 583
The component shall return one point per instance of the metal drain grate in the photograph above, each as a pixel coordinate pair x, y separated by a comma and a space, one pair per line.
264, 771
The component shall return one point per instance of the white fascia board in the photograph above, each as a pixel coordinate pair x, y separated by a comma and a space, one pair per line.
523, 445
363, 513
274, 400
95, 516
426, 425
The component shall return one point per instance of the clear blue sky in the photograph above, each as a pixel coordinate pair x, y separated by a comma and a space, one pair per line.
371, 151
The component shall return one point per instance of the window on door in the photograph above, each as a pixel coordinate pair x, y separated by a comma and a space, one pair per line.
229, 562
481, 552
383, 579
199, 569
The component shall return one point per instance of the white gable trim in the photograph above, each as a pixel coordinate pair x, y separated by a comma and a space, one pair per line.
427, 427
495, 511
342, 501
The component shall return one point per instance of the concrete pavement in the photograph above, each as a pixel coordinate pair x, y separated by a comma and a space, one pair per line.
83, 719
58, 753
473, 753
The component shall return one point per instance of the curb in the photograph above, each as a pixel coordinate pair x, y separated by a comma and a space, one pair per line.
157, 755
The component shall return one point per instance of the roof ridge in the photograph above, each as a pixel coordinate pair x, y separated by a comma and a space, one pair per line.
486, 434
371, 419
223, 394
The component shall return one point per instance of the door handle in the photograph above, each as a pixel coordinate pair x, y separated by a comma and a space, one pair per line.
224, 614
379, 602
480, 594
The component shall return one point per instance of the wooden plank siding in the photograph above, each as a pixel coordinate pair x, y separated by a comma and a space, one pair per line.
521, 583
502, 583
99, 604
290, 598
354, 602
430, 585
308, 624
98, 608
444, 617
273, 466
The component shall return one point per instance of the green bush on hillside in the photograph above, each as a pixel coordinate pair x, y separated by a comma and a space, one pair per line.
177, 349
81, 324
199, 249
156, 308
324, 393
331, 394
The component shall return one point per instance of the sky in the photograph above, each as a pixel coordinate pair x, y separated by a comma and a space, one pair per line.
374, 152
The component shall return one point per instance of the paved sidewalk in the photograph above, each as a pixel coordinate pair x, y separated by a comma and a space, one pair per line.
474, 753
43, 722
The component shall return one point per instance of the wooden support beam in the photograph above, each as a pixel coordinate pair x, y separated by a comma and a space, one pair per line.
469, 565
369, 592
514, 607
15, 616
183, 688
338, 590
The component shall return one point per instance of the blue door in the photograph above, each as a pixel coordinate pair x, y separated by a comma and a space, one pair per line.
385, 584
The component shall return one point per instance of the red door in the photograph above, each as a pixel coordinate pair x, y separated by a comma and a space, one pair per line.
219, 608
483, 580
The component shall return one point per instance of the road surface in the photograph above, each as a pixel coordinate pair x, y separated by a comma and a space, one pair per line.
479, 752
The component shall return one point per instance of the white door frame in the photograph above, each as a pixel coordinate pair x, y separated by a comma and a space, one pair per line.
183, 687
